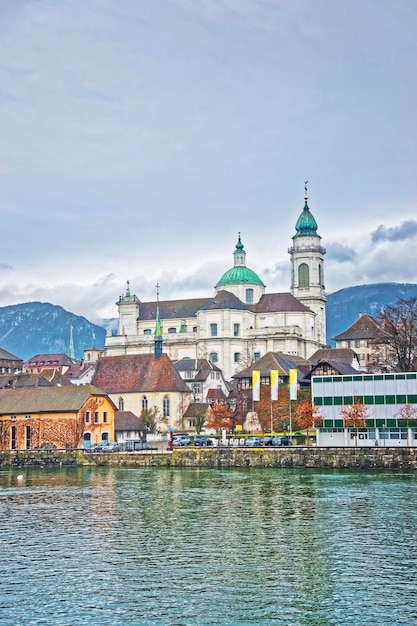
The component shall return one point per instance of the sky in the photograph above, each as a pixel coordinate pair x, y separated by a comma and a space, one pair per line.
138, 138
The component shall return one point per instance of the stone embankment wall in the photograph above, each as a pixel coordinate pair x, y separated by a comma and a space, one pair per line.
297, 457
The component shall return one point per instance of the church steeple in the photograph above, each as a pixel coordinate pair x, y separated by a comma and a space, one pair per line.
306, 224
158, 328
239, 254
307, 269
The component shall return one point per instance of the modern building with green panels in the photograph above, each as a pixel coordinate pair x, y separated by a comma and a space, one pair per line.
382, 394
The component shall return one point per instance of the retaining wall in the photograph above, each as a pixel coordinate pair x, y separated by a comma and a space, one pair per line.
296, 457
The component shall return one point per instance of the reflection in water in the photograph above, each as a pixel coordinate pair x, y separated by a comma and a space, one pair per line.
197, 547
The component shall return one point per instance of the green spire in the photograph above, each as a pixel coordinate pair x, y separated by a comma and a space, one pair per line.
158, 329
71, 351
239, 245
306, 225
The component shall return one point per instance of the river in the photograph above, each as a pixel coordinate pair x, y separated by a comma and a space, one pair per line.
188, 547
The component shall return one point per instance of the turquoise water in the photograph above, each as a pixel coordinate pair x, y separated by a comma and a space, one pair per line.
163, 547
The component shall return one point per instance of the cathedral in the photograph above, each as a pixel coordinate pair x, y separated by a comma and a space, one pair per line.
240, 322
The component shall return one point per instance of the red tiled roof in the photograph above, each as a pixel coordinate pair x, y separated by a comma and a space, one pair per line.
215, 394
49, 360
138, 372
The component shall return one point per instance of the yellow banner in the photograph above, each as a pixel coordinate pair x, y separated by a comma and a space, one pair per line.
293, 384
274, 384
256, 385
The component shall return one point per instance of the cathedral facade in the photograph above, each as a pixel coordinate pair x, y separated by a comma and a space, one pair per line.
240, 322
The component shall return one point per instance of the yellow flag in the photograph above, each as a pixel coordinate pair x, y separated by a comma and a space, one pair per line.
293, 384
274, 384
256, 385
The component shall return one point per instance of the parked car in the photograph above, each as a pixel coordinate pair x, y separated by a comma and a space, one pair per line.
203, 441
105, 446
281, 441
253, 441
181, 440
267, 441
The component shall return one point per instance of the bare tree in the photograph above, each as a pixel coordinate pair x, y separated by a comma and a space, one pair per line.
398, 332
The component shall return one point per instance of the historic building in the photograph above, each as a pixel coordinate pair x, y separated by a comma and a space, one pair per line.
33, 417
241, 322
140, 382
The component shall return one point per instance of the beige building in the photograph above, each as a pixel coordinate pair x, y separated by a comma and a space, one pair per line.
360, 337
137, 382
240, 322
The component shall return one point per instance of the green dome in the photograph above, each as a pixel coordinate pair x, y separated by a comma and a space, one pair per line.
306, 224
239, 275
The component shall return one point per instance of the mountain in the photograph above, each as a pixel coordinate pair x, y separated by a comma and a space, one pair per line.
38, 327
344, 306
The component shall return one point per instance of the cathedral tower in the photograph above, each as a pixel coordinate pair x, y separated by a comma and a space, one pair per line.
307, 275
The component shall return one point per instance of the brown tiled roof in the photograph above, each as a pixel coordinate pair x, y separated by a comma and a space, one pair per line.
276, 361
55, 377
174, 309
126, 420
215, 394
15, 381
137, 372
277, 302
343, 355
364, 328
45, 399
194, 407
171, 309
225, 300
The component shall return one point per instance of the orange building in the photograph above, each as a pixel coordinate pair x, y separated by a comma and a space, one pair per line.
63, 417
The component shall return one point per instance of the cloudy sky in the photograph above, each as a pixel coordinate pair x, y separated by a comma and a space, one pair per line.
138, 137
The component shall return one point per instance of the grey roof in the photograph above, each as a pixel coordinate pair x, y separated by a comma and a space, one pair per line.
174, 309
345, 355
126, 420
343, 369
8, 356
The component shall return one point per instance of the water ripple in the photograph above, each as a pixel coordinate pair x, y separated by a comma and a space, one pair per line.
112, 547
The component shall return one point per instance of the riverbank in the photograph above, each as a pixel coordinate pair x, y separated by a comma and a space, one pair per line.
296, 457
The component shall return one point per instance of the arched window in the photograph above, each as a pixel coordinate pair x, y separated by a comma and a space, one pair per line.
166, 406
320, 276
249, 296
121, 404
144, 403
303, 275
